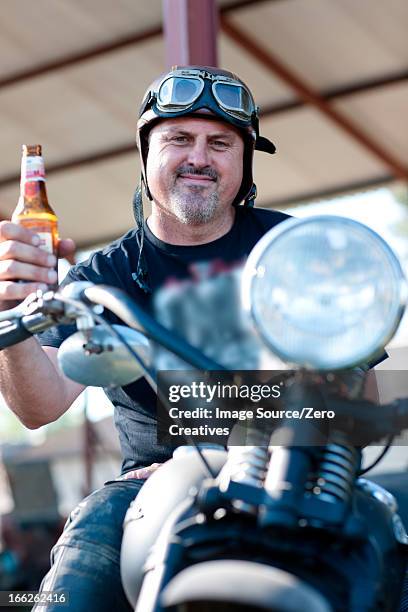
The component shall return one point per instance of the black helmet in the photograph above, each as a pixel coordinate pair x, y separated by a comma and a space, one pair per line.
211, 93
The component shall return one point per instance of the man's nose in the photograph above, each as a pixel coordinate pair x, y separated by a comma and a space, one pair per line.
199, 154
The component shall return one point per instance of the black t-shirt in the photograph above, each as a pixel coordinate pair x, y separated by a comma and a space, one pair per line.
135, 404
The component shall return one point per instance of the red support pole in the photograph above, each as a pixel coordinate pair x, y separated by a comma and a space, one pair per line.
190, 31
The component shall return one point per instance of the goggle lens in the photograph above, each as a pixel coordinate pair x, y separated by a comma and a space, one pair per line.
233, 98
176, 92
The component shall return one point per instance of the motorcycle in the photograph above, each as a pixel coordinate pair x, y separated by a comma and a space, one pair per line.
271, 515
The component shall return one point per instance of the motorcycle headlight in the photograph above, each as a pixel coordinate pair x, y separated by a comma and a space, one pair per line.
324, 292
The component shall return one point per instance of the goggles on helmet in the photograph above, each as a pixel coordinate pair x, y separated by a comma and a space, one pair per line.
185, 90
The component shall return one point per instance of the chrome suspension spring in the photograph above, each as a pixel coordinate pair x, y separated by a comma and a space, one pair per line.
248, 464
335, 474
245, 465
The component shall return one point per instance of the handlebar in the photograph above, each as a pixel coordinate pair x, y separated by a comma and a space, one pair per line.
13, 332
51, 310
36, 313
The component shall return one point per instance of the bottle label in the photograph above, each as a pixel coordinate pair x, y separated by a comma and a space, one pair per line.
30, 189
43, 230
32, 169
45, 241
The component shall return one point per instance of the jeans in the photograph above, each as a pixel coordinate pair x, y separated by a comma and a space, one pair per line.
85, 562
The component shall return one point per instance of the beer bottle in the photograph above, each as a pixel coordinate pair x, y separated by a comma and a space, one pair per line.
33, 209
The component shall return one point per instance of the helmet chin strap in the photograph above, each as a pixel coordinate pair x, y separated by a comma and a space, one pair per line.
140, 277
250, 199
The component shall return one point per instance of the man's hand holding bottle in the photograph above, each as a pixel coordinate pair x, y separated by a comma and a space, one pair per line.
23, 259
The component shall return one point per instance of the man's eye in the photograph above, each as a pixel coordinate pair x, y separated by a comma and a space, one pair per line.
220, 144
180, 139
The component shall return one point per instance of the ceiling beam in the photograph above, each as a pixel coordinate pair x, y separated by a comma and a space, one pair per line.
338, 190
77, 58
337, 93
313, 98
77, 162
12, 180
103, 49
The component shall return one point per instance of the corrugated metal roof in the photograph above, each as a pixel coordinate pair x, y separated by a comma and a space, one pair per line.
86, 109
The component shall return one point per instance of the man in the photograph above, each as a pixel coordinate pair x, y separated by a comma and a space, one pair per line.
197, 131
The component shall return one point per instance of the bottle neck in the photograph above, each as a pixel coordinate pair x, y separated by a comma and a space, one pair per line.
32, 175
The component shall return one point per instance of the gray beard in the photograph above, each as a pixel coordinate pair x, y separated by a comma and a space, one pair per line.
193, 208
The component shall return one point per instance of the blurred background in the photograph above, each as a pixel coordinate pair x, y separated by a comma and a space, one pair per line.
331, 79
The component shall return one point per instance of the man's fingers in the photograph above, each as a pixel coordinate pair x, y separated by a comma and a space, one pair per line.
13, 270
141, 473
21, 258
19, 251
13, 231
11, 291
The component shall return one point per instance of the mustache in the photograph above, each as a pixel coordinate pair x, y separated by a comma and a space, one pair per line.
207, 171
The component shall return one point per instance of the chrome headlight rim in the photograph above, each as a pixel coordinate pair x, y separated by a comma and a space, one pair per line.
253, 270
